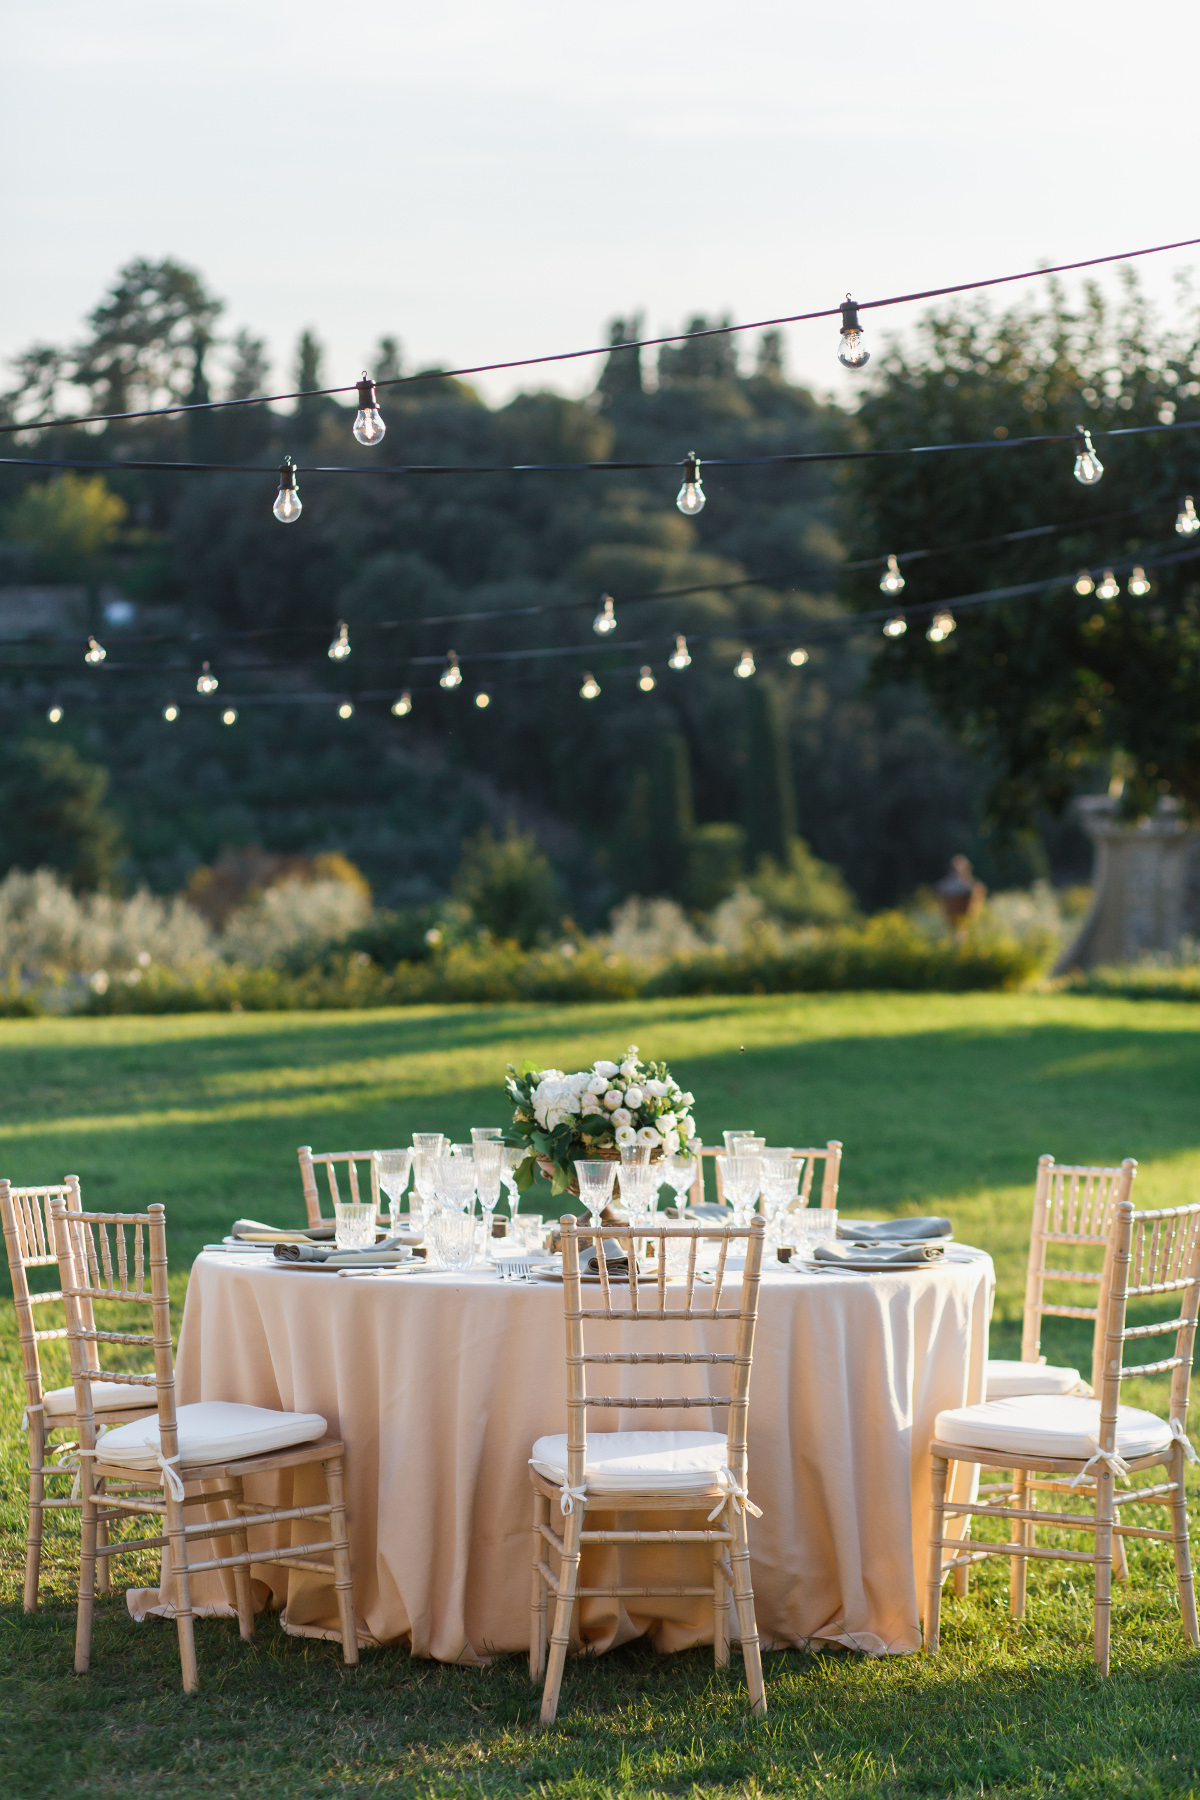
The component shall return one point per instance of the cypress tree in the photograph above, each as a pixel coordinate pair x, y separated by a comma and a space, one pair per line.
768, 791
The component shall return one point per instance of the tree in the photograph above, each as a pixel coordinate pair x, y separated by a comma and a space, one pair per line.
67, 522
699, 358
1053, 688
309, 413
509, 885
145, 334
389, 364
621, 375
768, 791
768, 364
250, 367
52, 814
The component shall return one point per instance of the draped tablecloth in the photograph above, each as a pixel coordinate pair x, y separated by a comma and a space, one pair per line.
440, 1382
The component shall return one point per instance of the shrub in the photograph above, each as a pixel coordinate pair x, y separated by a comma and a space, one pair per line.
47, 933
294, 913
804, 891
509, 885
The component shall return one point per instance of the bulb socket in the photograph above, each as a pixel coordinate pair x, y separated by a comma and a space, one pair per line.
287, 473
366, 394
691, 468
849, 311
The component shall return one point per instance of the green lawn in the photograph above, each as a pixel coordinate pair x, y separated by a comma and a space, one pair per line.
943, 1103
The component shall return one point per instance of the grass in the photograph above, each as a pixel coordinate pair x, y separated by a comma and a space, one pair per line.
944, 1103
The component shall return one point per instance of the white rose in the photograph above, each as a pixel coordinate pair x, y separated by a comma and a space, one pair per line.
657, 1088
605, 1068
665, 1121
625, 1134
634, 1095
632, 1050
579, 1084
613, 1098
628, 1070
622, 1116
687, 1127
648, 1135
688, 1099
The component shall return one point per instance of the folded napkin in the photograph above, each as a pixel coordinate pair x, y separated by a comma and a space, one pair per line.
615, 1257
870, 1255
872, 1231
252, 1231
394, 1249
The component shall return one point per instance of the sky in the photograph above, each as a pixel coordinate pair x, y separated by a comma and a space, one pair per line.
488, 181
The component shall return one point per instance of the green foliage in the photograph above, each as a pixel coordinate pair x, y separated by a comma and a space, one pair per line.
67, 523
802, 890
52, 813
509, 885
715, 856
1137, 981
145, 335
768, 791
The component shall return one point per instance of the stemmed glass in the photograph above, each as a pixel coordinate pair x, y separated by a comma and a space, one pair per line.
424, 1167
489, 1157
743, 1176
485, 1134
679, 1172
595, 1187
393, 1167
454, 1183
780, 1186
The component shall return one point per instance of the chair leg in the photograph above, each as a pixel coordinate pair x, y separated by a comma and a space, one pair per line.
342, 1577
720, 1609
37, 1495
87, 1568
937, 1530
1103, 1579
743, 1600
1179, 1543
560, 1637
181, 1583
1021, 1533
962, 1575
537, 1589
103, 1563
1120, 1560
241, 1577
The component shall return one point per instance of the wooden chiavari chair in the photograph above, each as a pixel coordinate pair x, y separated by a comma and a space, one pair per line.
331, 1158
695, 1470
1097, 1442
29, 1240
208, 1442
831, 1156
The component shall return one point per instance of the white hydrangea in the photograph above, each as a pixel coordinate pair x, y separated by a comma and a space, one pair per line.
554, 1101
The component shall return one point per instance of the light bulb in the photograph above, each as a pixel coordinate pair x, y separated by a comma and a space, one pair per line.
206, 681
1084, 583
95, 653
646, 681
891, 581
940, 629
690, 498
746, 667
55, 715
345, 710
368, 420
403, 705
1108, 589
482, 700
339, 650
229, 716
1088, 467
852, 350
1188, 521
679, 657
287, 507
590, 688
895, 628
170, 713
606, 619
451, 676
1138, 582
798, 658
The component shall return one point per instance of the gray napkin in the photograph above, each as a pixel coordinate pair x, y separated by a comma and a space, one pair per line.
870, 1254
253, 1231
320, 1253
615, 1257
870, 1231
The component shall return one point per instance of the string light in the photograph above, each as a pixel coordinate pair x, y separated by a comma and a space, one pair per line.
55, 715
288, 505
229, 716
852, 351
95, 653
679, 657
646, 681
940, 628
403, 706
1088, 467
206, 681
1138, 582
895, 628
451, 676
590, 688
891, 581
606, 619
345, 710
1083, 582
798, 658
1108, 588
339, 650
369, 427
170, 712
1188, 520
690, 498
483, 700
746, 667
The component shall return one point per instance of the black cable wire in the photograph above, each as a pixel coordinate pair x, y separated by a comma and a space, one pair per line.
528, 362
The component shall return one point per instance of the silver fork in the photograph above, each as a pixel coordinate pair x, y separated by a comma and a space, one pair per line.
515, 1268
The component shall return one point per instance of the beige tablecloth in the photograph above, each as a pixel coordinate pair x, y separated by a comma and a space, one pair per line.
439, 1384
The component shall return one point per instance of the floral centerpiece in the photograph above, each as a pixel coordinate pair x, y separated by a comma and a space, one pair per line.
559, 1118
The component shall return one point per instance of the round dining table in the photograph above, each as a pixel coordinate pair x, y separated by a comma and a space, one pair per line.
439, 1383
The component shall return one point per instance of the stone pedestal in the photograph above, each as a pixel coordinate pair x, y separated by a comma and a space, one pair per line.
1147, 885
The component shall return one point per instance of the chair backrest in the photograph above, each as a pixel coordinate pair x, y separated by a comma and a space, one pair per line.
831, 1156
1073, 1208
29, 1241
623, 1298
1152, 1256
108, 1257
351, 1158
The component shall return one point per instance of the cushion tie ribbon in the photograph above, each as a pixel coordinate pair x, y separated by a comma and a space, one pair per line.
568, 1495
1113, 1461
1181, 1437
31, 1407
733, 1490
171, 1481
79, 1455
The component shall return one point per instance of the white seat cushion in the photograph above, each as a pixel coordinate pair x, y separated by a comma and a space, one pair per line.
625, 1462
212, 1431
107, 1396
1050, 1425
1008, 1379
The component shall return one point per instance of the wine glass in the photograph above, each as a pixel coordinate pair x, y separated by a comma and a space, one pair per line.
393, 1167
424, 1168
596, 1186
679, 1172
489, 1156
511, 1158
743, 1176
454, 1183
730, 1135
485, 1134
428, 1140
